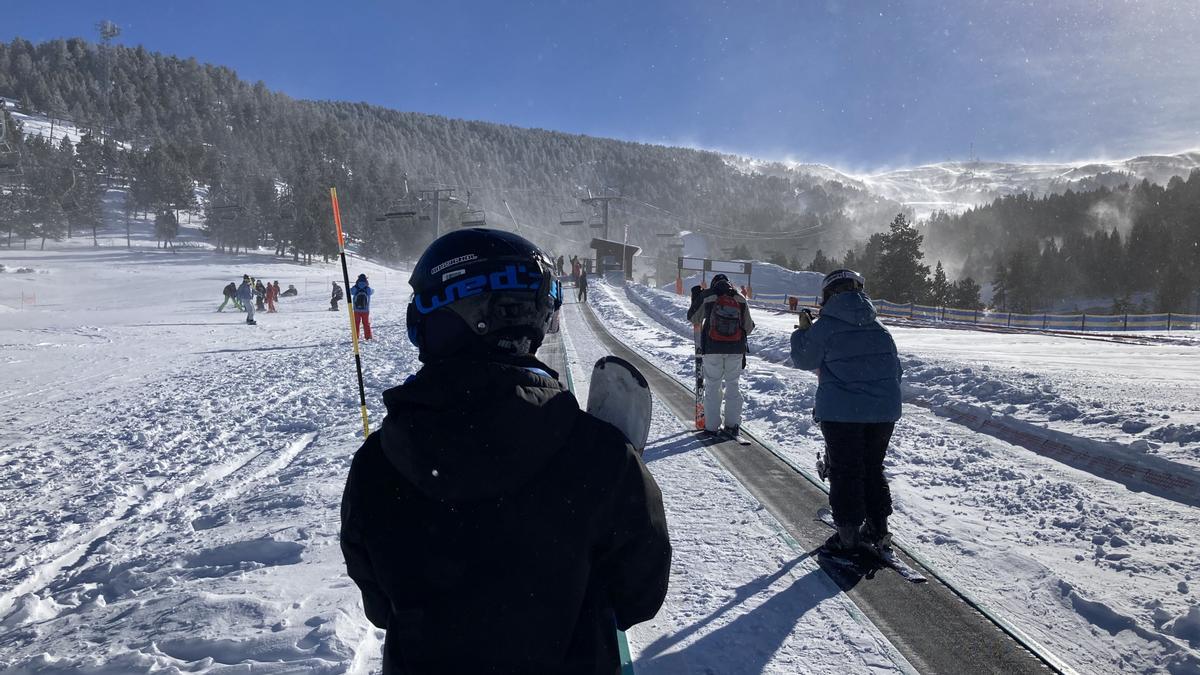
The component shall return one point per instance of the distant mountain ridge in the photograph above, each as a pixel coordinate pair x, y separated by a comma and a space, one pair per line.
956, 186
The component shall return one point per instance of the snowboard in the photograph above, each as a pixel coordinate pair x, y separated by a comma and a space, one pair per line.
874, 555
699, 340
619, 394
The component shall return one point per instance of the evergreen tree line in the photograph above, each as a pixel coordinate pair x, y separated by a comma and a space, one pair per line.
1105, 246
893, 264
171, 129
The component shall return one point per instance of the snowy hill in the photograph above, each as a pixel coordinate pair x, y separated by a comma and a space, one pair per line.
957, 186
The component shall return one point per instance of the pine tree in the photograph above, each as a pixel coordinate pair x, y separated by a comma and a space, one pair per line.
1000, 287
820, 263
940, 291
964, 294
166, 228
899, 275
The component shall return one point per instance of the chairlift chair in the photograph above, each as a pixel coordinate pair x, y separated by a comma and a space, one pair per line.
405, 209
596, 221
473, 218
227, 212
573, 217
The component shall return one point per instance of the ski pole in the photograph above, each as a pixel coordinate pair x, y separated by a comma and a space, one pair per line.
362, 394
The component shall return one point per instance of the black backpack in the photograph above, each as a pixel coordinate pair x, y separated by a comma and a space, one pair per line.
361, 299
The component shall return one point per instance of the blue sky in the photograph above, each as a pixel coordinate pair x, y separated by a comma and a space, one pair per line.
859, 85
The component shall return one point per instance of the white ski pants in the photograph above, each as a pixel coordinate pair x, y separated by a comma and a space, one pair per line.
721, 373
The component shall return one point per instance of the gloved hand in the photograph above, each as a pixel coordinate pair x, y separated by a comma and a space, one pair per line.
805, 320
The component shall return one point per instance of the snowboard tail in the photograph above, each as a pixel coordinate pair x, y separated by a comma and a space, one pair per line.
619, 394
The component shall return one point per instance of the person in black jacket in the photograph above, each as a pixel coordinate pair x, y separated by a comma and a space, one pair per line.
491, 525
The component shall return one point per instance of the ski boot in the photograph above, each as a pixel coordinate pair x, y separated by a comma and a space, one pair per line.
874, 533
843, 542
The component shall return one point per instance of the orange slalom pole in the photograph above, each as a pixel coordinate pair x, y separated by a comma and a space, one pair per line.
362, 394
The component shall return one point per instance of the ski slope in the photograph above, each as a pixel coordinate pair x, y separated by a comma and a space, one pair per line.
172, 479
1101, 575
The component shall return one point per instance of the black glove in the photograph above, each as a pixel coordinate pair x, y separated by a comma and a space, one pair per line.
805, 320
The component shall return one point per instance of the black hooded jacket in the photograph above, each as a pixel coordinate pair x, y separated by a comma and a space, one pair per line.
494, 527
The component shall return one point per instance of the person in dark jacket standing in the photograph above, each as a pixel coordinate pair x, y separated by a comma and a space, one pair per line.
230, 292
259, 294
491, 525
360, 301
725, 324
582, 283
335, 297
858, 403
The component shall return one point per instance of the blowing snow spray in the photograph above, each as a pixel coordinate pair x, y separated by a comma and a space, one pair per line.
362, 395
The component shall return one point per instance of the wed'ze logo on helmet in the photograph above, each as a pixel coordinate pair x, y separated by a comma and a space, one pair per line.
511, 278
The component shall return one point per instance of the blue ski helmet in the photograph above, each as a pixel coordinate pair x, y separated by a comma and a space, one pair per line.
481, 291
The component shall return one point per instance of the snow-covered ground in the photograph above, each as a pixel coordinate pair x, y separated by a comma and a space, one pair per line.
1101, 575
171, 480
743, 597
170, 475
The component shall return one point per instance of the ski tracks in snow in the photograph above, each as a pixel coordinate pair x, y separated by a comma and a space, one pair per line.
187, 508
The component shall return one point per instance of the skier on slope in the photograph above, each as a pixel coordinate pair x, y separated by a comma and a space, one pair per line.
245, 294
259, 294
360, 300
271, 293
725, 324
857, 405
230, 293
491, 525
335, 297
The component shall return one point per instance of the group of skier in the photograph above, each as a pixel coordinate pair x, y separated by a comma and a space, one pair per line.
488, 507
253, 295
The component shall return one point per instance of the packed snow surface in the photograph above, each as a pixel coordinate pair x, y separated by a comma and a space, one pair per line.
1101, 575
172, 479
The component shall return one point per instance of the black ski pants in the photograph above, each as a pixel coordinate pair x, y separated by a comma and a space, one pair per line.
858, 488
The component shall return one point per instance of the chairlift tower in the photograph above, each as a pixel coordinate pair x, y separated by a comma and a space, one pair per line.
602, 201
436, 195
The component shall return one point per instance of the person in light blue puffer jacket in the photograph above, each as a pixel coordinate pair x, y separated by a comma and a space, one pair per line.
857, 404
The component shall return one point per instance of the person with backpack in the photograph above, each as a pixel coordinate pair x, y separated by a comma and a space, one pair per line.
492, 525
857, 405
725, 324
360, 300
230, 292
245, 293
582, 284
335, 298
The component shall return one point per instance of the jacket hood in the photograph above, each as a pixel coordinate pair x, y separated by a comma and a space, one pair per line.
852, 307
462, 430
